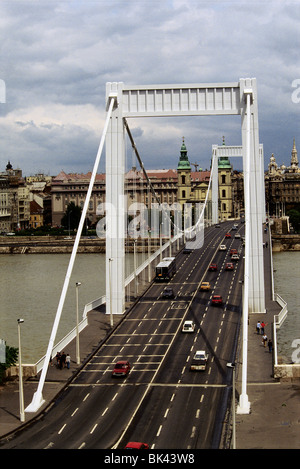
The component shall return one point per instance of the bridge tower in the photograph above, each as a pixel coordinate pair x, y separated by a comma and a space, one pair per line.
179, 100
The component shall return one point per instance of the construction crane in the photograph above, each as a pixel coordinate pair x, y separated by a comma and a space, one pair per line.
196, 166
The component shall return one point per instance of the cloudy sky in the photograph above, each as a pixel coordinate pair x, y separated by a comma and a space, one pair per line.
57, 55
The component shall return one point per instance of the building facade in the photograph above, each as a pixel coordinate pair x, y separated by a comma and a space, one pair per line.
169, 186
14, 200
282, 185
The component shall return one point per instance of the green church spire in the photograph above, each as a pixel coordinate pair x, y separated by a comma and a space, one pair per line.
183, 161
224, 162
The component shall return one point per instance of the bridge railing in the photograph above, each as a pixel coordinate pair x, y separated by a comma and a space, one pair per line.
278, 320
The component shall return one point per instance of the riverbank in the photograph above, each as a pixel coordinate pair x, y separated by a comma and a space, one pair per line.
64, 245
288, 242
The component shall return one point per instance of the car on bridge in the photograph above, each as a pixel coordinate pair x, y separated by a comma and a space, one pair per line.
121, 368
136, 445
227, 235
235, 257
222, 247
213, 267
205, 286
199, 361
233, 251
188, 326
229, 266
168, 293
217, 300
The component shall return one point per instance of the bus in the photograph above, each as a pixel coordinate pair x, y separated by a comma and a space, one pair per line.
165, 269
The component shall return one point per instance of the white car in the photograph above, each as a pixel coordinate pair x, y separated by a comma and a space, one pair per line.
222, 247
199, 361
188, 326
235, 257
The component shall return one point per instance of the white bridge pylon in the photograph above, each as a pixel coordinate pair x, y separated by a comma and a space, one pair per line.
238, 98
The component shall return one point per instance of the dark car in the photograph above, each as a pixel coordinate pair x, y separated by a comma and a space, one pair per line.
121, 368
168, 293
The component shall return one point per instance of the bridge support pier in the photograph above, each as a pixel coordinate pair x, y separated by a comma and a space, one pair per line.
115, 205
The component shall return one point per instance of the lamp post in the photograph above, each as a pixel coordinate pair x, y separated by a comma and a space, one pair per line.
134, 268
110, 297
232, 365
77, 331
21, 396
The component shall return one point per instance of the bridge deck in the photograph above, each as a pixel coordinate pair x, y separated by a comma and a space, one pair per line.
259, 359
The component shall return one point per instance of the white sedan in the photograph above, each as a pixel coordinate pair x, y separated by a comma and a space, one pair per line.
188, 326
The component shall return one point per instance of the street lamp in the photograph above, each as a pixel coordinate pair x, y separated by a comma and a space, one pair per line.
134, 267
110, 298
232, 365
77, 331
21, 396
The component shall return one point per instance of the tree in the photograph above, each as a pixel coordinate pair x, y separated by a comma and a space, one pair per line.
11, 355
294, 216
71, 218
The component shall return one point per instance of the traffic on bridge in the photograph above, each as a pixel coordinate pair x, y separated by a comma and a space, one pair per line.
160, 399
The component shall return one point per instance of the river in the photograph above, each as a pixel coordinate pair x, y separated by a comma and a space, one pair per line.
286, 267
31, 286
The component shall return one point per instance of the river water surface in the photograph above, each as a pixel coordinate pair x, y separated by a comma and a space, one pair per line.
31, 286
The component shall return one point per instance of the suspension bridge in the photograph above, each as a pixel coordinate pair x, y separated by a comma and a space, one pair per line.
169, 223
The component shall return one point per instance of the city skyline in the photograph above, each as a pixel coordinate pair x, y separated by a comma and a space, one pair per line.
57, 56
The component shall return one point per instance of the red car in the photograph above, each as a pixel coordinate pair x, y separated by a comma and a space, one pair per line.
216, 300
228, 235
229, 266
121, 368
136, 445
233, 251
213, 267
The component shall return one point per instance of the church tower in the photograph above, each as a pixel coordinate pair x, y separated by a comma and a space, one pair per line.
225, 187
184, 176
294, 158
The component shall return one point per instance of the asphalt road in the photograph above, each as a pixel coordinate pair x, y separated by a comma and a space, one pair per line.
160, 402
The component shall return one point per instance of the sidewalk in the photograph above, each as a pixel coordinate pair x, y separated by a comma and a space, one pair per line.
97, 329
273, 421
